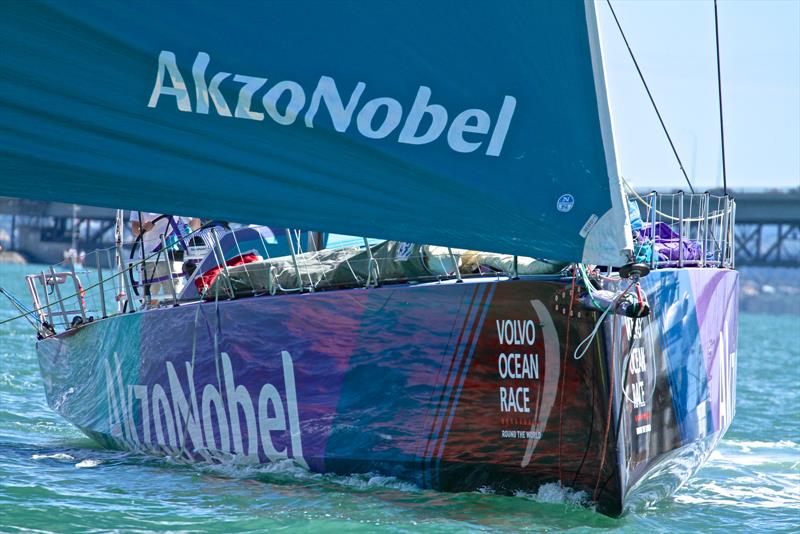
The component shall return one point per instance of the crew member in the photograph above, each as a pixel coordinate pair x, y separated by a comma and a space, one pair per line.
157, 268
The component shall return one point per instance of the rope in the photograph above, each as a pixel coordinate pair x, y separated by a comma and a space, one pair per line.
315, 254
244, 265
586, 343
644, 202
21, 308
652, 101
719, 90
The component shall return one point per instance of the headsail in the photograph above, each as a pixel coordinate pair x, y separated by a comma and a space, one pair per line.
456, 123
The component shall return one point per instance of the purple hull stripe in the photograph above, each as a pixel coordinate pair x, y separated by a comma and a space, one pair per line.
484, 308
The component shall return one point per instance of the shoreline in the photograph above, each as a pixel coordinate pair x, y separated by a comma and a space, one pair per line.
9, 257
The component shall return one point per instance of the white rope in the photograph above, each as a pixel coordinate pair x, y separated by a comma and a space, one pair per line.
664, 215
244, 264
315, 255
587, 342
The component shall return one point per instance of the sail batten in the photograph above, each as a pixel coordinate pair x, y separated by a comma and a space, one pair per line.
459, 123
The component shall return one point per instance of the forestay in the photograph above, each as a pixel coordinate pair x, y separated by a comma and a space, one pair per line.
468, 124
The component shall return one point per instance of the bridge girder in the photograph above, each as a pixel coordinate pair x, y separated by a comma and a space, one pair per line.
768, 245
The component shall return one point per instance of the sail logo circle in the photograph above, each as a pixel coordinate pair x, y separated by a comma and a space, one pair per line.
565, 203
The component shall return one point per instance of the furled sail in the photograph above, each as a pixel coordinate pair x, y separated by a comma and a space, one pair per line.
470, 124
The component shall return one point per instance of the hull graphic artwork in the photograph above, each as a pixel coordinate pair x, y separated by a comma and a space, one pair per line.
451, 386
229, 423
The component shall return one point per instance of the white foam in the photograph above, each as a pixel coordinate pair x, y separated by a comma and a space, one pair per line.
54, 456
555, 493
88, 463
235, 468
734, 460
733, 454
749, 445
372, 480
239, 467
746, 492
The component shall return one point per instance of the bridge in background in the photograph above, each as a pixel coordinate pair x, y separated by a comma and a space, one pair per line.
767, 228
44, 231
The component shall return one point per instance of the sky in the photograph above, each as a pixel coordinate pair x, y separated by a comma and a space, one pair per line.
674, 43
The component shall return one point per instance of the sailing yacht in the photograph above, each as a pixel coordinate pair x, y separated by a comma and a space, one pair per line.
522, 322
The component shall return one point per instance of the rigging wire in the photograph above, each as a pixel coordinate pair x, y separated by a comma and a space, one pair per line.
649, 94
21, 308
719, 90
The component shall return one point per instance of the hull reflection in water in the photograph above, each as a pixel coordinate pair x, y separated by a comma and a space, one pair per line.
451, 386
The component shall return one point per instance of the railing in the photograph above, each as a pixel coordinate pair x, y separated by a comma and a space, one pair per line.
106, 282
89, 289
673, 230
684, 230
102, 283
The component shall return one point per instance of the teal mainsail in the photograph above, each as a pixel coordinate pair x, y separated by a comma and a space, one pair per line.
469, 124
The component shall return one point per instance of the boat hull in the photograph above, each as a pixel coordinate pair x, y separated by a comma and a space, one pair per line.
454, 386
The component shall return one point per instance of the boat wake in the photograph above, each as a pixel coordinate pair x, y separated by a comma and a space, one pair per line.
552, 493
769, 455
749, 474
287, 471
555, 493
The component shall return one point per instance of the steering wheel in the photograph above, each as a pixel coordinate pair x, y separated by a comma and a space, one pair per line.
137, 244
214, 222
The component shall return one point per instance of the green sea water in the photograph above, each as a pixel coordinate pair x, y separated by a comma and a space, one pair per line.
54, 479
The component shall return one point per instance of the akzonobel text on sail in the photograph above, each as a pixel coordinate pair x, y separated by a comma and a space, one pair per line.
377, 118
